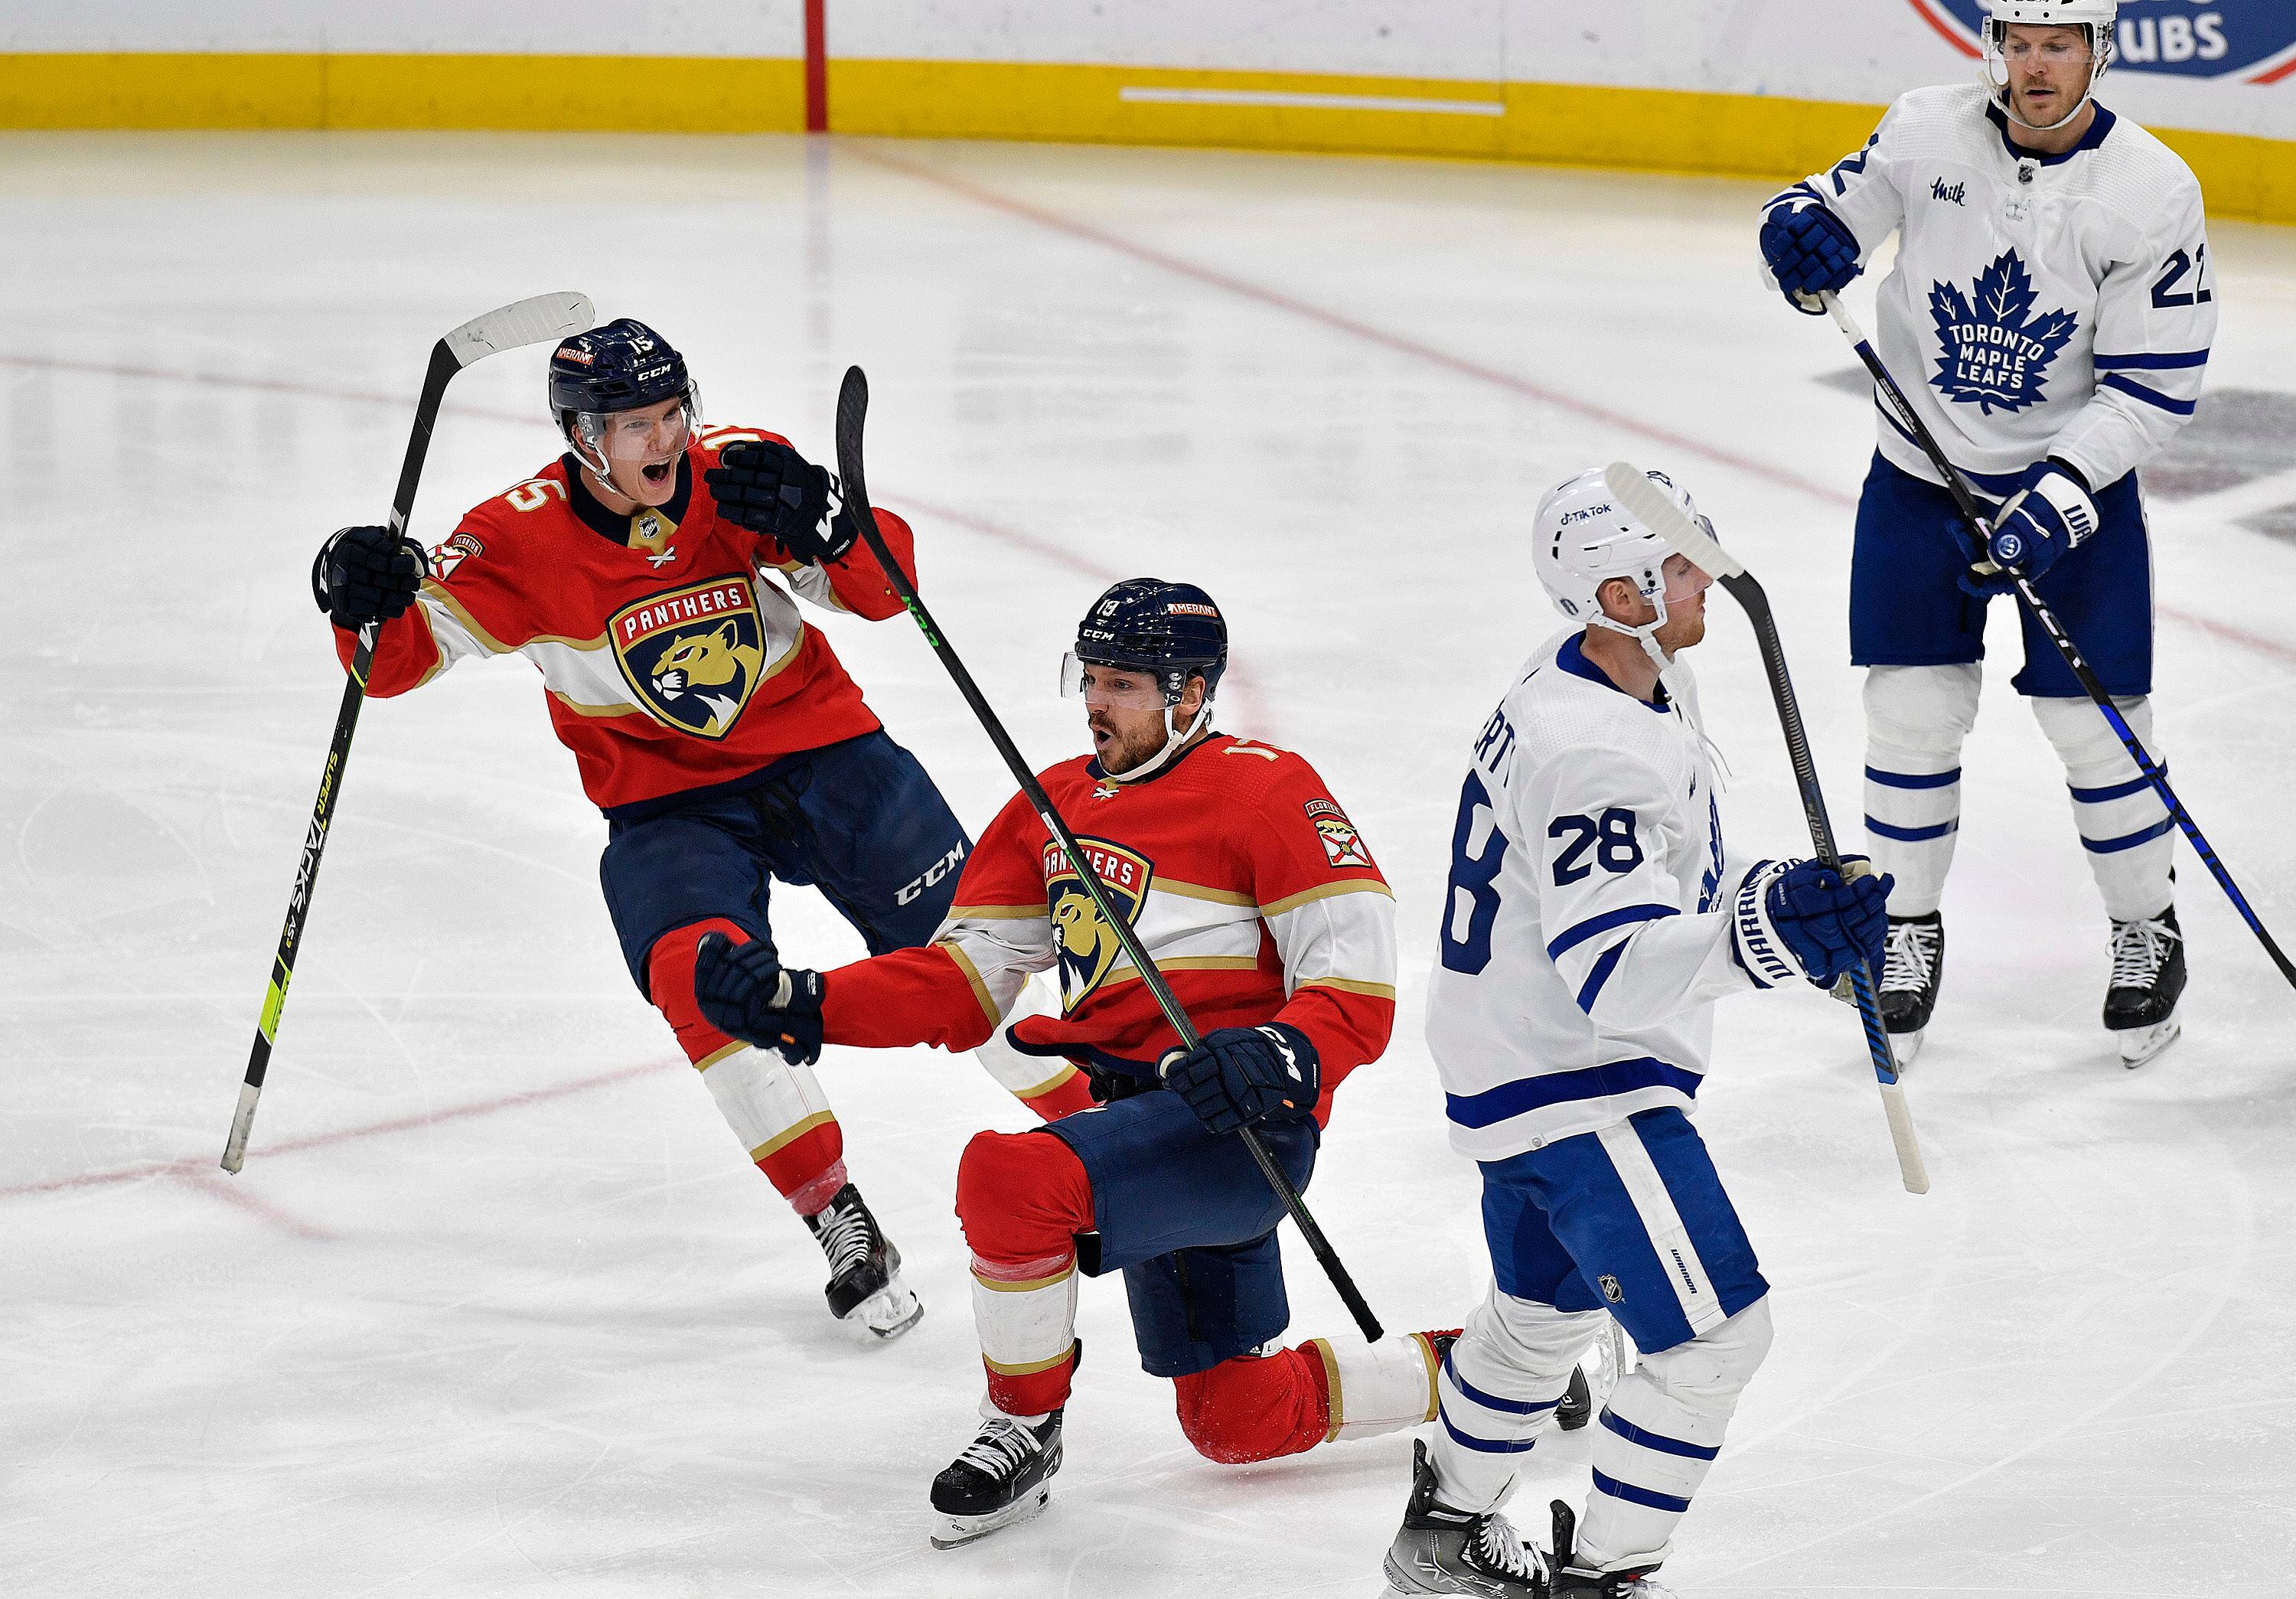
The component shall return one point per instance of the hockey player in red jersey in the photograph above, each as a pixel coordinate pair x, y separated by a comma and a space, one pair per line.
647, 574
1258, 899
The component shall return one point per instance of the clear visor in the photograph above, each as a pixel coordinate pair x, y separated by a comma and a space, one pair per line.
652, 433
2056, 50
1684, 581
1096, 683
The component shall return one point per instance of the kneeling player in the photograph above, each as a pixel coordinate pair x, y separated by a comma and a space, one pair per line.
641, 572
1591, 923
1251, 890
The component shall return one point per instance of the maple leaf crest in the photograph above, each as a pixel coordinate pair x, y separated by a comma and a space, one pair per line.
1996, 353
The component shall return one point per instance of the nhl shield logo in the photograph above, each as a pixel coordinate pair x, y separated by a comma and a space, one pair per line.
693, 655
1086, 943
1612, 1291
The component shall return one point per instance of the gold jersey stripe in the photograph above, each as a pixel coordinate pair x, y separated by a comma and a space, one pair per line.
1129, 973
972, 975
789, 1134
1348, 985
1434, 1395
1350, 885
1191, 890
1056, 1080
1337, 1406
999, 913
580, 710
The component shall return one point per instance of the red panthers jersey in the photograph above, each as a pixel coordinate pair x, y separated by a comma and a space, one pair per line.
1243, 879
669, 658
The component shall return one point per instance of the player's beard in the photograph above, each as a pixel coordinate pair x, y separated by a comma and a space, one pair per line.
1125, 748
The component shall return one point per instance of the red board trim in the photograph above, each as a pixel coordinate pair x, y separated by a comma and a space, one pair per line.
1951, 35
817, 66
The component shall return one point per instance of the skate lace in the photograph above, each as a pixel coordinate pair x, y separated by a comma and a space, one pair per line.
1499, 1550
1001, 1447
2139, 950
844, 1238
1912, 956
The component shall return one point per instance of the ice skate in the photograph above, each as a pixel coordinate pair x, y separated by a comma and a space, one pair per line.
1574, 1581
1576, 1408
2148, 975
864, 1288
1911, 973
1004, 1476
1444, 1550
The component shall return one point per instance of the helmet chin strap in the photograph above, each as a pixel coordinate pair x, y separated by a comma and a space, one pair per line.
1175, 740
1646, 635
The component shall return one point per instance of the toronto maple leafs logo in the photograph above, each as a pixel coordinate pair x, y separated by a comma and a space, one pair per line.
1998, 353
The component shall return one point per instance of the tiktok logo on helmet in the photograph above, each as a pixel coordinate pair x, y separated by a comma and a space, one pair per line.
2252, 41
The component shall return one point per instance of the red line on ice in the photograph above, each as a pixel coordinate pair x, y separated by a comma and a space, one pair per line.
1401, 344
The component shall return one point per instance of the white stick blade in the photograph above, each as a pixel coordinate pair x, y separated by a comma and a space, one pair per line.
1910, 1165
536, 321
1648, 505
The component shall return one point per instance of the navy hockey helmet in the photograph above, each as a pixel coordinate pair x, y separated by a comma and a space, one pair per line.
1172, 629
621, 367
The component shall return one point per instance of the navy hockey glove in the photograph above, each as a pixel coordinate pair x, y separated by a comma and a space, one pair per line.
769, 488
1240, 1076
365, 575
2050, 513
745, 993
1803, 917
1809, 249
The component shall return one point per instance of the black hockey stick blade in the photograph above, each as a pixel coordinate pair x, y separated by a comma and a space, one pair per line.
1649, 505
1965, 500
544, 316
852, 419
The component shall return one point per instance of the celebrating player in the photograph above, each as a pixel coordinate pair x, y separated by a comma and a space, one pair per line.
1253, 893
716, 731
1591, 922
2052, 288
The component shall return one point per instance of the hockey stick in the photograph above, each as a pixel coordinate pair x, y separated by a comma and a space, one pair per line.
1966, 501
546, 316
852, 411
1653, 509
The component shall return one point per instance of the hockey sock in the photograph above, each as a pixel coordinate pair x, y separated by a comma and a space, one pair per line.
1497, 1389
777, 1110
2125, 829
1657, 1437
1022, 1199
1916, 719
1048, 1085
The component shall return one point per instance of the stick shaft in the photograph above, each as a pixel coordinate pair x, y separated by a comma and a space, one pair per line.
1965, 499
852, 409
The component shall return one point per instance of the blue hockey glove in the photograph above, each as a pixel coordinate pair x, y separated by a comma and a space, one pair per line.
1809, 249
745, 993
365, 575
2049, 514
1801, 917
1240, 1076
768, 487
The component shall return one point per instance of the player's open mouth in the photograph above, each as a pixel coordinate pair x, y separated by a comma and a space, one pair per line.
657, 472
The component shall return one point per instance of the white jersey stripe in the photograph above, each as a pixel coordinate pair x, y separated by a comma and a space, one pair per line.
1677, 1255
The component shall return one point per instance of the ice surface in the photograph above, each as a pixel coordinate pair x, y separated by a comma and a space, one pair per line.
498, 1307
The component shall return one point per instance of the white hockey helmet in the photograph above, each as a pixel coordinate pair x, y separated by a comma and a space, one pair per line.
2100, 18
1584, 539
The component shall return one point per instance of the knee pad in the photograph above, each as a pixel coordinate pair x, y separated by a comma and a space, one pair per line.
1923, 710
1254, 1407
2091, 751
1022, 1197
1523, 1347
1711, 1370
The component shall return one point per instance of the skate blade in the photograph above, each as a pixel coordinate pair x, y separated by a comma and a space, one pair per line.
956, 1532
1905, 1046
2139, 1044
887, 1314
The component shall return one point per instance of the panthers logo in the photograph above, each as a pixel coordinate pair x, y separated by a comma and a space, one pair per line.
692, 656
1087, 945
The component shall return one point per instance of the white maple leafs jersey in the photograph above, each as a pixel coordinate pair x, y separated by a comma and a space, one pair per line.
2040, 304
1586, 928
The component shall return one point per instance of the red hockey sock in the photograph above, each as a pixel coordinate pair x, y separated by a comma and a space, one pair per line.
777, 1109
1256, 1407
1022, 1199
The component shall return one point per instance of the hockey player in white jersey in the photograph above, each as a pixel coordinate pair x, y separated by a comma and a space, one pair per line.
2050, 315
1592, 920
